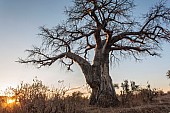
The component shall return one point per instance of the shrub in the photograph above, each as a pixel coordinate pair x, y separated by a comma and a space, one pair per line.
38, 98
134, 95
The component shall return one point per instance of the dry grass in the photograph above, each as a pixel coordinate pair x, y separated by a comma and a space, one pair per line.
161, 104
38, 98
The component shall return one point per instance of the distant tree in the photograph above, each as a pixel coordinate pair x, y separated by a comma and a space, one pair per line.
96, 34
168, 74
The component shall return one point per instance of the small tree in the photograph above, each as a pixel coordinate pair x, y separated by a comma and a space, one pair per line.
95, 33
168, 74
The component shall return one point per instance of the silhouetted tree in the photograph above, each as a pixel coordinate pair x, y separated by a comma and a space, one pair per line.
168, 74
97, 33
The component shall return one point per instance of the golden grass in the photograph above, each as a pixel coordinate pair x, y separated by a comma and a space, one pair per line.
38, 98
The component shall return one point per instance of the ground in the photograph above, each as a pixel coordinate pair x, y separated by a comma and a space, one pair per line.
161, 104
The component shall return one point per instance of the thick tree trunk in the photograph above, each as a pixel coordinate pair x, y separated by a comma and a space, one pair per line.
107, 95
97, 76
103, 92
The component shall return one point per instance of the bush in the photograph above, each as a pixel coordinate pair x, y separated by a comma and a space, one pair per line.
134, 95
38, 98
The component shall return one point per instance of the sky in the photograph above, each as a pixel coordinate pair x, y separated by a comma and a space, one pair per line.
19, 25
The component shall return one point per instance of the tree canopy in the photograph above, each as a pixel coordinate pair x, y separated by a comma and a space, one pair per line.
111, 19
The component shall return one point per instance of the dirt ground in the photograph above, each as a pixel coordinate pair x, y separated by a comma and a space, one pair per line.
161, 104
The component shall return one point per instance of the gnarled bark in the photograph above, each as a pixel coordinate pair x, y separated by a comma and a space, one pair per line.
103, 92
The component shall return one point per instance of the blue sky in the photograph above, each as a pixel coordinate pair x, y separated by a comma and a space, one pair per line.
19, 25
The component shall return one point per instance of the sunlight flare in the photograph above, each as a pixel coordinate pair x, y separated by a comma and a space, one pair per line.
10, 101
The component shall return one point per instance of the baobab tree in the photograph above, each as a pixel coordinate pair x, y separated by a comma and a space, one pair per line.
96, 34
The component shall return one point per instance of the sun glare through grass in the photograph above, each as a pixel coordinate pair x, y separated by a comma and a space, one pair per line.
10, 101
39, 98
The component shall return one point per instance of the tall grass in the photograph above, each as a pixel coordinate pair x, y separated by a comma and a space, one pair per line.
39, 98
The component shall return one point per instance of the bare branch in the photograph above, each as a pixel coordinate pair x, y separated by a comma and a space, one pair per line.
100, 27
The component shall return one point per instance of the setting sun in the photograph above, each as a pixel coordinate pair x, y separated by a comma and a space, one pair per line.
10, 101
